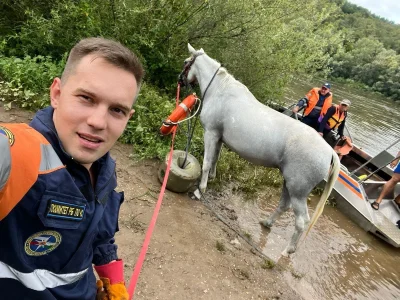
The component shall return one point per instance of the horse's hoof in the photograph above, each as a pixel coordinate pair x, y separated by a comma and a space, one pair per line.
285, 253
265, 223
289, 250
197, 194
192, 196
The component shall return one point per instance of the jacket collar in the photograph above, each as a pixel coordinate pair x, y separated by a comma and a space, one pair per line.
43, 122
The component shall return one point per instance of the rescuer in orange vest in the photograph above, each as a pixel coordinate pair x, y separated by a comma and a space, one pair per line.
316, 102
334, 118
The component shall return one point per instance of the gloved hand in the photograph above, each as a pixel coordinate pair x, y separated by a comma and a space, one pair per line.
108, 291
111, 285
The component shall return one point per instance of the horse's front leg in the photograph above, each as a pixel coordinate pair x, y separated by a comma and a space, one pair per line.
211, 142
213, 171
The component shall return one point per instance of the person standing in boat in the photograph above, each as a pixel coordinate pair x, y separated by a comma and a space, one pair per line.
316, 102
334, 119
390, 185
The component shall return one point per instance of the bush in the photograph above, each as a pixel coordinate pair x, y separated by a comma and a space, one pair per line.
25, 82
249, 177
53, 27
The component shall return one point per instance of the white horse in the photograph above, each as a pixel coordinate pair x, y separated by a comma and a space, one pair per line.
263, 136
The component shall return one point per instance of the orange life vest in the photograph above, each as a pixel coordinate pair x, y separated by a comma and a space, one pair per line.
337, 118
313, 97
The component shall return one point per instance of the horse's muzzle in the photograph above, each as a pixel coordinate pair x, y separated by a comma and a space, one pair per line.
182, 79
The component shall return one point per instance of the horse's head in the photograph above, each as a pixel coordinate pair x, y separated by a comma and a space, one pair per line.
189, 73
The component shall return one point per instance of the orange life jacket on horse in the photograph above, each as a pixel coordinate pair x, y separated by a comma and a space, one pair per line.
337, 118
313, 97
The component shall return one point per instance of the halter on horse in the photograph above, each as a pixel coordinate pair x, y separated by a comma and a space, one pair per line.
232, 115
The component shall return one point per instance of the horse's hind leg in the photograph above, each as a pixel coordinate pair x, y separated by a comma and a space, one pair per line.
284, 205
211, 142
301, 222
213, 171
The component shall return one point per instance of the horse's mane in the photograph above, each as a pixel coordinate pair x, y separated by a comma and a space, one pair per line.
223, 71
227, 78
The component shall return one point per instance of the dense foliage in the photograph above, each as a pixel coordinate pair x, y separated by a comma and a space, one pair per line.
263, 43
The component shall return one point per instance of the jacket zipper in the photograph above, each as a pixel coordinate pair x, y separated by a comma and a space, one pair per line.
96, 194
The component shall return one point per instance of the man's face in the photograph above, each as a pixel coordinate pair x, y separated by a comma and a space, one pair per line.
324, 90
343, 107
92, 107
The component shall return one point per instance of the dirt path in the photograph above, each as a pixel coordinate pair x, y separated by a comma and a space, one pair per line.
190, 255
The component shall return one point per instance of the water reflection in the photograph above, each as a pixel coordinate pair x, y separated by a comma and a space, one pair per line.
338, 260
347, 263
373, 120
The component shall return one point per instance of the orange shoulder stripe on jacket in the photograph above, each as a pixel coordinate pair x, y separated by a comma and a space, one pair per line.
25, 162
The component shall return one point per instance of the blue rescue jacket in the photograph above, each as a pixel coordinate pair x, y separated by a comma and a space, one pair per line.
51, 237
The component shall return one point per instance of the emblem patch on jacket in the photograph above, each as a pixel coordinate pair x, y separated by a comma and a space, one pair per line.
42, 242
63, 210
8, 133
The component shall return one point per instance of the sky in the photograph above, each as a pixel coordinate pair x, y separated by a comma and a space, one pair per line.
388, 9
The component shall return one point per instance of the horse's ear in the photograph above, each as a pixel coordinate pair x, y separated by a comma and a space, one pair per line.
201, 50
191, 49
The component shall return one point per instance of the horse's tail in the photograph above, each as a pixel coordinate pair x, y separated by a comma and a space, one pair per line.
332, 177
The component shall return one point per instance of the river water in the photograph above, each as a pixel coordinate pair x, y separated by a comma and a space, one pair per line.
338, 260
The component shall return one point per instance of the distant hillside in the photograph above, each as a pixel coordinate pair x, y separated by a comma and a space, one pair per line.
370, 50
359, 22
